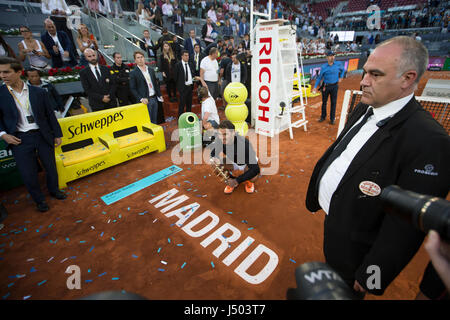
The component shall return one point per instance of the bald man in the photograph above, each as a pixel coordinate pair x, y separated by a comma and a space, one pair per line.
58, 45
98, 83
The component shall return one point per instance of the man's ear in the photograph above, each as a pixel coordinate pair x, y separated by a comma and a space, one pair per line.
409, 77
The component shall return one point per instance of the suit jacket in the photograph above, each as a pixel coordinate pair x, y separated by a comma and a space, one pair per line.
43, 113
152, 47
66, 44
175, 19
241, 29
95, 90
180, 75
205, 30
227, 72
357, 231
138, 85
188, 45
196, 68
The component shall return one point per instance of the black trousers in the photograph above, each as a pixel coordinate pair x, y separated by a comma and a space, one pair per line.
331, 91
185, 99
171, 87
32, 146
213, 88
124, 96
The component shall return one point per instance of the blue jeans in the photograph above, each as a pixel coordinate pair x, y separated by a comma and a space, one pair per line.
153, 109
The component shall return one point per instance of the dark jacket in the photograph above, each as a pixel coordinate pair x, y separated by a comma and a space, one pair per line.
357, 231
196, 67
54, 97
43, 113
151, 47
180, 74
205, 30
95, 90
121, 75
167, 67
66, 44
138, 85
227, 72
188, 45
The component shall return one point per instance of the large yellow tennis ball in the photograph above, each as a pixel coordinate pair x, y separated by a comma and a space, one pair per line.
236, 112
235, 93
241, 128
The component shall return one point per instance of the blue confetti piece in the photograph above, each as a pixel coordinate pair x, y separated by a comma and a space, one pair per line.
183, 265
91, 248
26, 297
134, 256
115, 278
103, 212
212, 263
37, 230
78, 221
128, 208
101, 234
6, 295
50, 225
67, 239
113, 239
73, 257
102, 274
89, 270
179, 244
42, 282
292, 261
82, 241
162, 270
159, 250
250, 228
11, 284
88, 280
168, 240
32, 270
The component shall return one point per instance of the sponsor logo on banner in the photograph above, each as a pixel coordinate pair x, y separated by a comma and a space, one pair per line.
81, 128
370, 188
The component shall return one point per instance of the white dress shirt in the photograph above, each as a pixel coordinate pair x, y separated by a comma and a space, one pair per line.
47, 6
151, 89
93, 67
337, 169
187, 82
236, 72
24, 108
60, 48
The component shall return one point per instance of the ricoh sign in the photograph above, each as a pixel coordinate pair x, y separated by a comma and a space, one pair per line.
263, 95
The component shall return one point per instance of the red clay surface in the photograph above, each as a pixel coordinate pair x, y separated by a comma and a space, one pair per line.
117, 246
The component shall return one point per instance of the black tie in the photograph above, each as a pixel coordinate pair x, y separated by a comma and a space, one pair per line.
97, 73
186, 72
342, 145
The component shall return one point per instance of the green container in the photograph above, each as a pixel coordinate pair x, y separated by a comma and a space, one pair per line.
190, 132
446, 65
9, 174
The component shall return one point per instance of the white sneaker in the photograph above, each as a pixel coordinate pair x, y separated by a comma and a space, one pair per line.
1, 226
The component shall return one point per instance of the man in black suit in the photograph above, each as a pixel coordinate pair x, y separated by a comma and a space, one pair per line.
184, 79
121, 73
190, 42
389, 139
29, 126
58, 45
98, 83
196, 59
147, 45
236, 71
178, 22
145, 86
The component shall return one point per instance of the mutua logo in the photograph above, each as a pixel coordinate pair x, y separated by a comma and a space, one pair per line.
97, 124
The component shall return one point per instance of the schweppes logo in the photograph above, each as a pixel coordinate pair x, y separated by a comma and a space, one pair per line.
81, 128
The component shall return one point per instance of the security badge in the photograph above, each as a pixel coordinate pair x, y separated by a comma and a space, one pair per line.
370, 188
30, 119
107, 80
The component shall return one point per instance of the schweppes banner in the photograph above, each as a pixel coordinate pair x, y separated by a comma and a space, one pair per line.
95, 141
9, 174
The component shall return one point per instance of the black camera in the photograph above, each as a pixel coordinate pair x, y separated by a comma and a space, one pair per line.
424, 212
317, 281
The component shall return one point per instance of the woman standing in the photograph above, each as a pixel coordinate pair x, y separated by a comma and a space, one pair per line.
33, 49
167, 63
86, 40
143, 14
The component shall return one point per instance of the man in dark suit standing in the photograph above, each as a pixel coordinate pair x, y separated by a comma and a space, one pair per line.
184, 79
145, 86
147, 45
58, 45
178, 22
196, 59
235, 71
121, 73
98, 83
389, 139
190, 42
29, 126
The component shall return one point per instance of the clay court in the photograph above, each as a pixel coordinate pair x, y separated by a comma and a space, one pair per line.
121, 246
